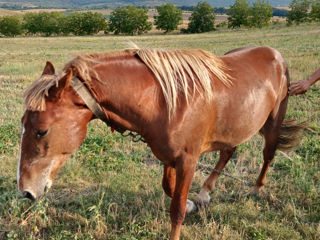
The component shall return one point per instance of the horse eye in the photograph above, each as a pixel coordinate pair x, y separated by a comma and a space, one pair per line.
40, 133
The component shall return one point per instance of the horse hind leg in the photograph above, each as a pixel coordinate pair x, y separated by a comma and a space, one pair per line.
203, 197
271, 132
279, 134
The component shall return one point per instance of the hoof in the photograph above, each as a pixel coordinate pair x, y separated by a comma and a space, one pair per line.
255, 190
191, 207
203, 199
202, 204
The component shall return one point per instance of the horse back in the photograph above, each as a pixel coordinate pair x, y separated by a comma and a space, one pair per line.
258, 68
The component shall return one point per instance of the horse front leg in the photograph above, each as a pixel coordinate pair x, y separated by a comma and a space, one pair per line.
203, 197
185, 168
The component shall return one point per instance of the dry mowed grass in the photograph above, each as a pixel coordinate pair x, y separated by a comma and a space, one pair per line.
111, 187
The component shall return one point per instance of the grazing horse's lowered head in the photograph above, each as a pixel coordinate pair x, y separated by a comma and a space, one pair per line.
54, 125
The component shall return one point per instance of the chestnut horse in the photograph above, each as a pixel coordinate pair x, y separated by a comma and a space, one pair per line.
182, 102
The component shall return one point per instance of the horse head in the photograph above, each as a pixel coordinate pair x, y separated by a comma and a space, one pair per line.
54, 125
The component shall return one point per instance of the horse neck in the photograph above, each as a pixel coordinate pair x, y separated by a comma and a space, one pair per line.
128, 92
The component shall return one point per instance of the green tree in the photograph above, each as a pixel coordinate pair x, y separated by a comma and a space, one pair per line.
64, 26
46, 23
261, 14
10, 26
30, 23
129, 20
298, 12
315, 10
202, 18
238, 14
51, 22
169, 17
86, 23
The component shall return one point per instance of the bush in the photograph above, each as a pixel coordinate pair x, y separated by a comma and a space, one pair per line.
169, 17
86, 23
315, 11
238, 14
202, 18
30, 23
298, 12
261, 14
10, 26
46, 23
223, 24
129, 20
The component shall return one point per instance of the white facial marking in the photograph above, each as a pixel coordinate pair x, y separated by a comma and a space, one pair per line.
37, 185
18, 170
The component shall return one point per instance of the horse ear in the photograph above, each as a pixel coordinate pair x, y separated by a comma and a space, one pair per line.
48, 69
64, 83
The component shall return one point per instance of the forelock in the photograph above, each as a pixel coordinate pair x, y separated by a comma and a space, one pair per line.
35, 94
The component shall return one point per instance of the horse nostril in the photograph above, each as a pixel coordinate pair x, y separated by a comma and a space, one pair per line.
27, 194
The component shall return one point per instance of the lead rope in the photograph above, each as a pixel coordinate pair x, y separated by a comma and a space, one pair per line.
201, 166
206, 167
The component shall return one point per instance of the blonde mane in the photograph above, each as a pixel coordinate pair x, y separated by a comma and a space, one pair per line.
186, 71
34, 95
177, 71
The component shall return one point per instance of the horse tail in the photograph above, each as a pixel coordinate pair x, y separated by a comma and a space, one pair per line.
290, 134
290, 130
287, 75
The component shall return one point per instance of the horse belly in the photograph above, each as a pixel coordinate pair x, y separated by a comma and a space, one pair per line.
239, 118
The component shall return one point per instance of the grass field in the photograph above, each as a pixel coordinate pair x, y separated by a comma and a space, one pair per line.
111, 187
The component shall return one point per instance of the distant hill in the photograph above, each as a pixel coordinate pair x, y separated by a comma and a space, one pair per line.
82, 4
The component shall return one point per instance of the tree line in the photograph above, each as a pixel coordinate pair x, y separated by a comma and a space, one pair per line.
131, 20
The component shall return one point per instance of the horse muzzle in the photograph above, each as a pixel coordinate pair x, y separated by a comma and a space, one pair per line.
35, 193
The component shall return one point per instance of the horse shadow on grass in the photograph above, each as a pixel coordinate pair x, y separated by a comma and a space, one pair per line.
140, 212
119, 210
